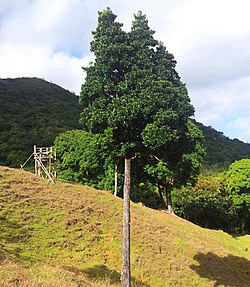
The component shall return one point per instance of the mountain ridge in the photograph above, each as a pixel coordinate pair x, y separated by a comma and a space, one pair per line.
34, 111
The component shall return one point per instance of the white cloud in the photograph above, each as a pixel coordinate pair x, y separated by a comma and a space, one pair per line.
43, 38
224, 104
241, 124
59, 67
210, 40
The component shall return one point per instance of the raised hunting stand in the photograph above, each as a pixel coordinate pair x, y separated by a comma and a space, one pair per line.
45, 162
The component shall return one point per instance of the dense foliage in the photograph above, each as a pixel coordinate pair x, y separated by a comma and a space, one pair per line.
33, 112
85, 158
133, 88
238, 177
222, 202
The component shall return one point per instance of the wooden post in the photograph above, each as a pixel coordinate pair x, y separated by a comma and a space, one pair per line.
55, 166
39, 158
35, 159
49, 159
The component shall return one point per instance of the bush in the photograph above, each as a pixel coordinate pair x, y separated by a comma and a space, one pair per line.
238, 177
85, 158
209, 204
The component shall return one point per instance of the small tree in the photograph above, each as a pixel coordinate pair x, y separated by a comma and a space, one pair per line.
178, 162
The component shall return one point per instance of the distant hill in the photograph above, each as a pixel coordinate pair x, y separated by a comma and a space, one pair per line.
32, 112
70, 235
221, 150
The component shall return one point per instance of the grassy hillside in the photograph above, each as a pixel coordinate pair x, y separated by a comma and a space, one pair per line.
32, 112
70, 235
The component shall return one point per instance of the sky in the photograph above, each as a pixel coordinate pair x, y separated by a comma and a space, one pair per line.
210, 40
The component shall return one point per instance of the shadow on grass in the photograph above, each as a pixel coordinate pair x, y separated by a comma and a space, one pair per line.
12, 234
225, 271
103, 273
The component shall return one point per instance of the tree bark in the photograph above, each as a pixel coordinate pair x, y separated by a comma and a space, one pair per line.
168, 196
162, 198
125, 276
116, 183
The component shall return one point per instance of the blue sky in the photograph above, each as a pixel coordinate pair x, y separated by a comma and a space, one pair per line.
210, 40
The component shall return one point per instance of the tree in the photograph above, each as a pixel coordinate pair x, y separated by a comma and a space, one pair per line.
180, 165
106, 105
85, 158
211, 204
132, 87
238, 177
238, 185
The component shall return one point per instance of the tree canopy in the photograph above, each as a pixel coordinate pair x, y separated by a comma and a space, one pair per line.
133, 88
238, 177
85, 158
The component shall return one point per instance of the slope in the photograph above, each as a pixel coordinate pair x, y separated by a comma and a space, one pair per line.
221, 150
70, 235
32, 112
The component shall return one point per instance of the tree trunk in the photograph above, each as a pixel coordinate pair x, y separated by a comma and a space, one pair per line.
116, 184
168, 196
162, 199
125, 277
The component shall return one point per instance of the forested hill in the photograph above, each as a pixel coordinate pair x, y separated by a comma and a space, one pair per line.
221, 150
32, 112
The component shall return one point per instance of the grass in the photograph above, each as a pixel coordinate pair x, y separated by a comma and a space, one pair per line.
70, 235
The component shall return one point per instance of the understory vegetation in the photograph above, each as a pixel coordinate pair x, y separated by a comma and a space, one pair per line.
221, 201
137, 110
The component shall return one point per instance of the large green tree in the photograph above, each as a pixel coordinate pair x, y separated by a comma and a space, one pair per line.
132, 87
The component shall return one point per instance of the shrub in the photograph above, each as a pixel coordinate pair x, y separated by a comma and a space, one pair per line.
209, 204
